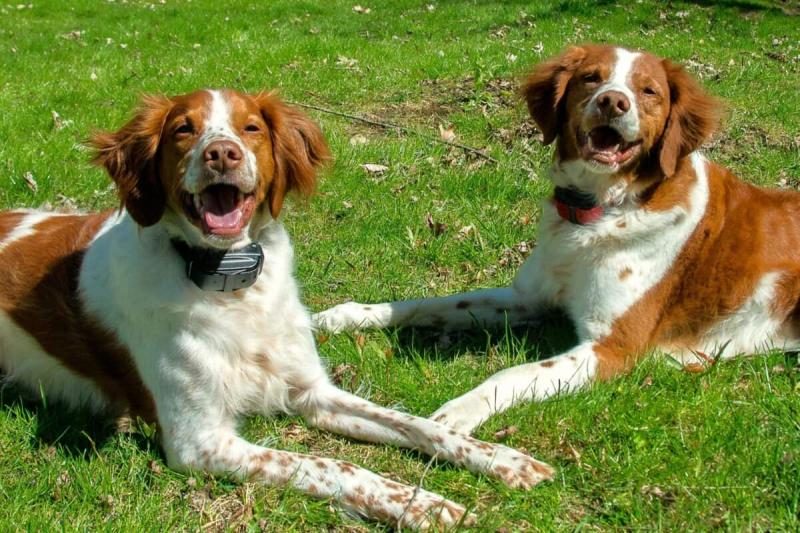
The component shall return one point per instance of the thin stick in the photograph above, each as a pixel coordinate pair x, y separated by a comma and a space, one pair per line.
389, 125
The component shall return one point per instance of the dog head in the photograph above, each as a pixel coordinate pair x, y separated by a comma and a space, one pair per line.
215, 166
611, 110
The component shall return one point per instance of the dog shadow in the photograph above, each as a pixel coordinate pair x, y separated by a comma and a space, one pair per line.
552, 333
78, 433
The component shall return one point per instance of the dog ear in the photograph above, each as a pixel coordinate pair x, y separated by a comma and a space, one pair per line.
545, 87
298, 147
693, 117
128, 155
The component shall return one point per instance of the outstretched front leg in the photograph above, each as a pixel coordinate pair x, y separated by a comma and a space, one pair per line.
517, 304
530, 382
339, 411
222, 452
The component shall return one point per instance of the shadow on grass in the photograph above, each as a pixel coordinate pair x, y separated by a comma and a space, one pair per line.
75, 432
552, 334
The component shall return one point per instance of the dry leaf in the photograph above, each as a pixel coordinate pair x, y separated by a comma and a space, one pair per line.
694, 368
436, 227
347, 62
447, 135
154, 467
30, 181
465, 232
373, 168
343, 371
358, 139
361, 340
58, 122
505, 432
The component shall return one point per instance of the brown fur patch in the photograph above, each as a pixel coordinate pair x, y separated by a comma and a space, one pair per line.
40, 294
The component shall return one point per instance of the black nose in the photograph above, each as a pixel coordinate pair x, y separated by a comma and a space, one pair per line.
613, 103
222, 156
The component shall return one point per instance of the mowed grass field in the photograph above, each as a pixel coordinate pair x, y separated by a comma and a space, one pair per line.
660, 449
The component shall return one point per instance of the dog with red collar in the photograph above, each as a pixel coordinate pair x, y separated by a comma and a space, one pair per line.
646, 244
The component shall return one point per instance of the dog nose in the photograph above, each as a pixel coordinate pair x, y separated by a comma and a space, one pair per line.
222, 156
613, 103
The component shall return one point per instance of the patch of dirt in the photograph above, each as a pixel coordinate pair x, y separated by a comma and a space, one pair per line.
738, 143
439, 98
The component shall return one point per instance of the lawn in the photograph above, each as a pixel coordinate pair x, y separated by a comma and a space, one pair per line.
658, 449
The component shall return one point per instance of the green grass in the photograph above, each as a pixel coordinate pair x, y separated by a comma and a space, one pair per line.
659, 449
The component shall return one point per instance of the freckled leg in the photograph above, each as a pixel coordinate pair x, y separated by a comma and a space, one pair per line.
224, 453
532, 290
486, 307
534, 381
344, 413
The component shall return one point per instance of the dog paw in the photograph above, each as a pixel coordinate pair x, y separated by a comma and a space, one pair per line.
518, 470
343, 317
427, 510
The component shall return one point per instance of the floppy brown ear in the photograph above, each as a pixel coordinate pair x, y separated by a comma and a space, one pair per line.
545, 87
129, 157
298, 146
693, 118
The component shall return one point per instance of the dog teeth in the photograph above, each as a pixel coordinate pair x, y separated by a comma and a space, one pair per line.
198, 203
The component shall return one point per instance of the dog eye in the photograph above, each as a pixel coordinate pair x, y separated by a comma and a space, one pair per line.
592, 78
252, 128
649, 91
184, 129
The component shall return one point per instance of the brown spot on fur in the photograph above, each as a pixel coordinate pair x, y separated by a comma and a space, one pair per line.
624, 273
548, 363
347, 468
621, 224
483, 445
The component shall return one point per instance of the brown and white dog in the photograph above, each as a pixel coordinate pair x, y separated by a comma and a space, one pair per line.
105, 310
645, 244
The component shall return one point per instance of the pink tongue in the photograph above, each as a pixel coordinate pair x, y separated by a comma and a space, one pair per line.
221, 208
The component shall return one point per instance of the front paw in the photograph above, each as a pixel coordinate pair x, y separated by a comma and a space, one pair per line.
518, 470
340, 318
426, 510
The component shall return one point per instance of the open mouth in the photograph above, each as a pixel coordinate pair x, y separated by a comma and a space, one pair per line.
220, 209
605, 145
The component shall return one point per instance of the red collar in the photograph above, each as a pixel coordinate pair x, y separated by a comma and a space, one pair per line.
576, 206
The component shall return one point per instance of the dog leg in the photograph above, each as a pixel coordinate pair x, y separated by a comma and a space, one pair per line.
342, 412
354, 488
486, 307
534, 381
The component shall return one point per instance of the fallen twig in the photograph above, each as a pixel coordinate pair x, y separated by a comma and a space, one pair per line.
389, 125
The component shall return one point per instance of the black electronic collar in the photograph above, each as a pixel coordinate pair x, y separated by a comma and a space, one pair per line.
221, 270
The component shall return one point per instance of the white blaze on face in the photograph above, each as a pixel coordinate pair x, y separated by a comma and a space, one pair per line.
620, 79
218, 126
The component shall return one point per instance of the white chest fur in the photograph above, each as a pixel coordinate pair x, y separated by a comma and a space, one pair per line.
244, 350
598, 271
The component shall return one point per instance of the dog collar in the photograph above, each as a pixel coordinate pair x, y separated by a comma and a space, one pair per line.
578, 207
221, 270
